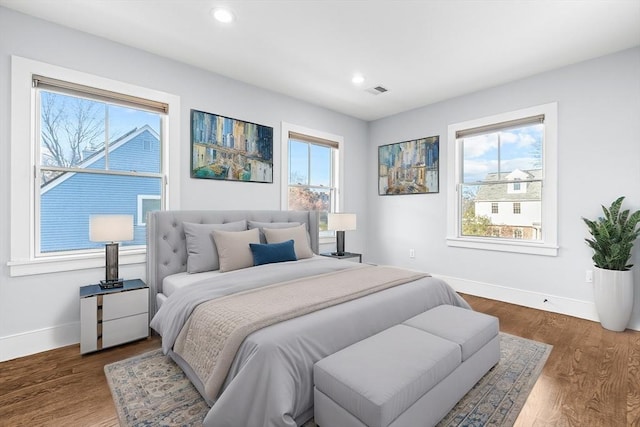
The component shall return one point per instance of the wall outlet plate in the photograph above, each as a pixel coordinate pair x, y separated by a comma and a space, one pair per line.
588, 276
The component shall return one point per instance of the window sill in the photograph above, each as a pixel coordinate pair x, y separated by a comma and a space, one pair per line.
55, 264
506, 246
327, 240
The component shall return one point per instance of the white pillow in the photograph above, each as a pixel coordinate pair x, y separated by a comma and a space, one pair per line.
201, 251
299, 236
233, 248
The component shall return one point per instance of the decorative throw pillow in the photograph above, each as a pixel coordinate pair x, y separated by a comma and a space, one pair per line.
233, 248
299, 236
202, 254
262, 225
272, 252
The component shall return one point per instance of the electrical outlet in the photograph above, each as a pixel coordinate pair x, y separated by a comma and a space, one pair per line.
588, 277
412, 253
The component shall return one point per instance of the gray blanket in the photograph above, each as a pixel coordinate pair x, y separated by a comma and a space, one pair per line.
211, 337
173, 314
270, 382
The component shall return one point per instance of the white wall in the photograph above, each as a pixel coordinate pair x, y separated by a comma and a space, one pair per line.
40, 312
599, 160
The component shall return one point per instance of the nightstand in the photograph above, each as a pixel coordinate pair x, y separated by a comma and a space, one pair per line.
109, 317
346, 255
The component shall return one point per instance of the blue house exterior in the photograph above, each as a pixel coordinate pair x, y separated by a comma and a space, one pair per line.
68, 201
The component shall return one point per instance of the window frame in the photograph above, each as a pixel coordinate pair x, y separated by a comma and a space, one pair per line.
23, 257
338, 171
68, 89
549, 245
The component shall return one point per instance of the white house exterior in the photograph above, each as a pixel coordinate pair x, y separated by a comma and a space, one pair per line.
513, 207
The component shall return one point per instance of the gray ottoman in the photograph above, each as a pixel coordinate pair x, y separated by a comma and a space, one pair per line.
469, 329
411, 374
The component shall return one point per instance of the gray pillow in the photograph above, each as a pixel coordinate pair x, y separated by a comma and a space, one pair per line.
201, 251
262, 225
233, 247
299, 236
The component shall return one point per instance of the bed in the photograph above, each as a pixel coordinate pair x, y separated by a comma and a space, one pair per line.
268, 379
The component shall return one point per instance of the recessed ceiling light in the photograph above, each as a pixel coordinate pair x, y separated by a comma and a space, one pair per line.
222, 15
357, 79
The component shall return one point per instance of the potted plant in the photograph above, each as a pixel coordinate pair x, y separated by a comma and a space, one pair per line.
612, 239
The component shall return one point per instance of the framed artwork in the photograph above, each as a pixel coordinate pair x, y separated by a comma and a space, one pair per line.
409, 167
230, 149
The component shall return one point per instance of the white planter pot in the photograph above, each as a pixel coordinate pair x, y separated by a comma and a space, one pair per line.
613, 294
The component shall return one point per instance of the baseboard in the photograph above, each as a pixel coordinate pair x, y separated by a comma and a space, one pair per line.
540, 301
27, 343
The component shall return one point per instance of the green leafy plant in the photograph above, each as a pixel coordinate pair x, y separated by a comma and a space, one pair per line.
613, 236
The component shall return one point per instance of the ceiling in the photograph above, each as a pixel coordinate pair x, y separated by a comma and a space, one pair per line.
421, 51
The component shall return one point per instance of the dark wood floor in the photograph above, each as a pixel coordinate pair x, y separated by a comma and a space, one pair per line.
592, 377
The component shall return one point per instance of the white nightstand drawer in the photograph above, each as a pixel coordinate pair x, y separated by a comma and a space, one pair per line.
126, 329
113, 316
125, 303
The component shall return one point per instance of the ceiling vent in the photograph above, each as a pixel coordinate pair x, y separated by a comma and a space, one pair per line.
377, 90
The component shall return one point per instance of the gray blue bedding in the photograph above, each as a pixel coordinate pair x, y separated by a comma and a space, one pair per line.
270, 381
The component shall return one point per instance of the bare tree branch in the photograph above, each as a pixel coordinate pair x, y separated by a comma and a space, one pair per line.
69, 125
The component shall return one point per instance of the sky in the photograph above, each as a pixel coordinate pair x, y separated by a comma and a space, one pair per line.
121, 119
319, 164
518, 148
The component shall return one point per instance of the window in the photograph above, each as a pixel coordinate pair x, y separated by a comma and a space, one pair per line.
312, 171
146, 204
510, 157
91, 160
98, 147
517, 210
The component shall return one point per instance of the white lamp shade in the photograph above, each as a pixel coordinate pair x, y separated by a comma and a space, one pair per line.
341, 221
110, 228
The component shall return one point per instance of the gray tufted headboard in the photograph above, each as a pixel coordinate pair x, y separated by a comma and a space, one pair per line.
167, 247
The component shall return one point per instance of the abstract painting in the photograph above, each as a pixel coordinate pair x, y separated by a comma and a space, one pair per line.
230, 149
409, 167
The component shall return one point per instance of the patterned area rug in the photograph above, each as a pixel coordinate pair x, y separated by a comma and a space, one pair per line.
151, 390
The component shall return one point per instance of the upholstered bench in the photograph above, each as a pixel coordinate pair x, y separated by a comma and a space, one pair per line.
411, 374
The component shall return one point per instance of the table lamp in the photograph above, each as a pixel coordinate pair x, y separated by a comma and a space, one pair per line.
341, 222
112, 229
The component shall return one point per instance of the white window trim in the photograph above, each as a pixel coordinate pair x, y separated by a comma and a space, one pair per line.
284, 169
549, 246
141, 199
23, 261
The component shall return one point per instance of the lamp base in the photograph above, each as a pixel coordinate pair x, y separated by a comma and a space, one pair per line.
339, 243
110, 284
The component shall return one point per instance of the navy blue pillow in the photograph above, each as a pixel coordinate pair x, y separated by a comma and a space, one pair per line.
272, 252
